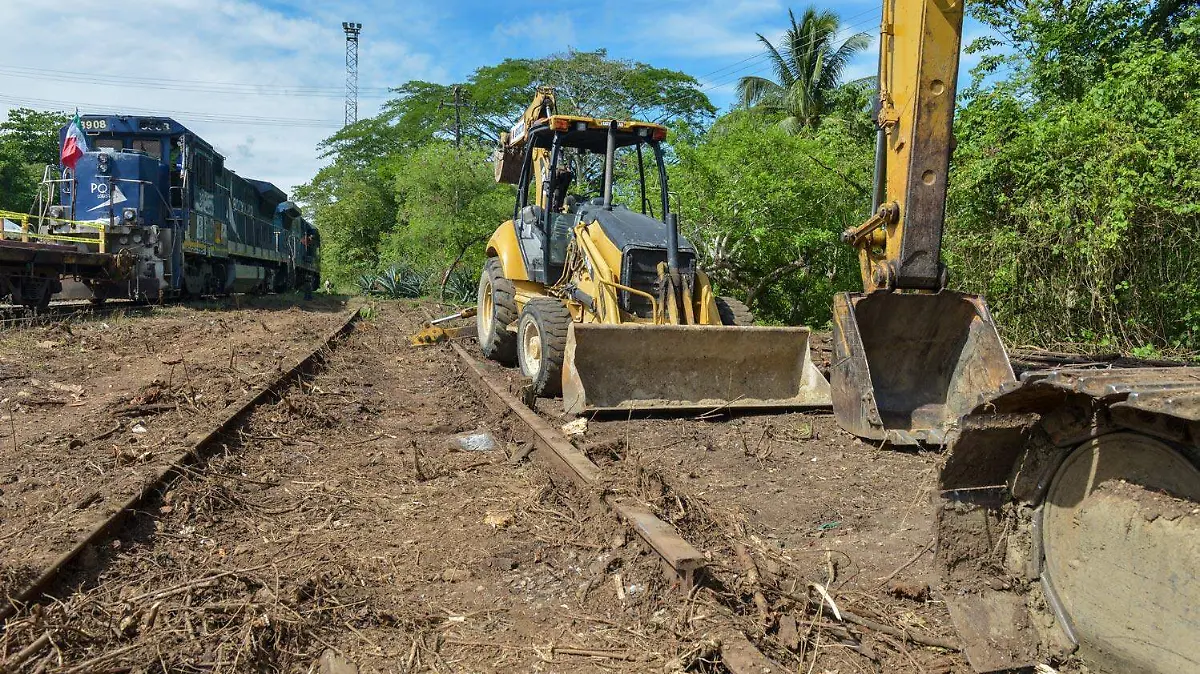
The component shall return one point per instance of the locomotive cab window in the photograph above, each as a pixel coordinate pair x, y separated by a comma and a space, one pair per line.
151, 146
114, 144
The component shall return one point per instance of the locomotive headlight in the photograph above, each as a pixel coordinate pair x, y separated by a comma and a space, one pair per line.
102, 163
128, 214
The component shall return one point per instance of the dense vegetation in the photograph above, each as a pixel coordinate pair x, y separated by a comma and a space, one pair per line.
1076, 182
1075, 188
28, 142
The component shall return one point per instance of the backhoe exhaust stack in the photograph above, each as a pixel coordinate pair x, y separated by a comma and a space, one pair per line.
673, 243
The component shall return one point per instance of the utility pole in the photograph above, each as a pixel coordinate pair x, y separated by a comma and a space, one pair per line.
458, 103
352, 31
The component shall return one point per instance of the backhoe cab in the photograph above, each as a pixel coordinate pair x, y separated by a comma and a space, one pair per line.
602, 301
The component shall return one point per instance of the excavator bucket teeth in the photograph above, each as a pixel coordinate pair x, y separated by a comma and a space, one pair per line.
907, 366
689, 367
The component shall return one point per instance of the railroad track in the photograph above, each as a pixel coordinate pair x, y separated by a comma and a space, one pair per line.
194, 447
678, 556
18, 317
12, 316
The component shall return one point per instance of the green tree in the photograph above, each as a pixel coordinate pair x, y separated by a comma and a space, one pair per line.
808, 68
1077, 209
1056, 49
448, 204
354, 207
767, 217
28, 143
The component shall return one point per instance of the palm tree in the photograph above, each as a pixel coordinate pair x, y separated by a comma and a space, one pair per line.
808, 66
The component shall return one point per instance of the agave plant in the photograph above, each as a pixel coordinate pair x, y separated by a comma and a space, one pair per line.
461, 287
395, 282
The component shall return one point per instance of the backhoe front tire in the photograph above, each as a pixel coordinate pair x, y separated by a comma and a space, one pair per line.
734, 312
542, 342
496, 310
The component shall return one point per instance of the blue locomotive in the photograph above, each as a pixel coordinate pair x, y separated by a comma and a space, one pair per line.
157, 200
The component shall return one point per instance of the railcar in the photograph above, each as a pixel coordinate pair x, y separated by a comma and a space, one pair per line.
157, 202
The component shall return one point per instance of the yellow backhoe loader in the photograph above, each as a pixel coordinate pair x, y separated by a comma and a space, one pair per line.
1068, 523
603, 302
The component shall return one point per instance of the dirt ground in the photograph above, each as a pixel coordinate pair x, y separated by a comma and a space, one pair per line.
91, 407
815, 504
346, 520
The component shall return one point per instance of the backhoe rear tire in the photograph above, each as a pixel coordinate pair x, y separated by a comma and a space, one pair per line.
734, 312
497, 309
542, 342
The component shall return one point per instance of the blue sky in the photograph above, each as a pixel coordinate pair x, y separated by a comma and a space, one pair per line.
262, 79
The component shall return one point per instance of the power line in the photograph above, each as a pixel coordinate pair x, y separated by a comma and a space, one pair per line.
216, 90
179, 84
221, 118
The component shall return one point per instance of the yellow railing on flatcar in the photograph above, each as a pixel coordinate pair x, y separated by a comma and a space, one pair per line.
24, 220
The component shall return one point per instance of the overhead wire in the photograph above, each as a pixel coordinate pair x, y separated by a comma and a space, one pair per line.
199, 86
757, 60
179, 114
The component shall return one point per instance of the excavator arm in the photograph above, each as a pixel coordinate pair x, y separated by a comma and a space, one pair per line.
911, 356
900, 245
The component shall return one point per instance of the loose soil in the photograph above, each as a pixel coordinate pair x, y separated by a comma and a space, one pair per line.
92, 407
345, 520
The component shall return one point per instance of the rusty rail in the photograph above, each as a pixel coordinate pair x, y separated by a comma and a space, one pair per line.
552, 446
196, 444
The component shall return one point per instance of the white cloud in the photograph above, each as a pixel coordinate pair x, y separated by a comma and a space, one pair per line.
552, 30
143, 57
715, 29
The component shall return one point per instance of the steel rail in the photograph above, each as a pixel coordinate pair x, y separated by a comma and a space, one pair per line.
196, 444
552, 446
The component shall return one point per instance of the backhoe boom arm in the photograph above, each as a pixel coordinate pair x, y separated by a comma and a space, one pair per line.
900, 245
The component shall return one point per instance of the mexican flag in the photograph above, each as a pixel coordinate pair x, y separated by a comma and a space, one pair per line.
74, 145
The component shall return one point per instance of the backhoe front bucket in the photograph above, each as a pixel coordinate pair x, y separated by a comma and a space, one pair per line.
907, 366
689, 367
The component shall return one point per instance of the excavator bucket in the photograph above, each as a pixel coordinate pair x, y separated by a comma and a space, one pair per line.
907, 366
689, 367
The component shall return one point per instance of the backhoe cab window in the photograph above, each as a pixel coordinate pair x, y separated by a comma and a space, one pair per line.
586, 174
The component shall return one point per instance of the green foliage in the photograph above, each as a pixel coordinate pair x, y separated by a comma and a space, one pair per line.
1056, 50
396, 282
448, 204
28, 143
461, 286
808, 70
353, 208
766, 209
493, 97
1077, 210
